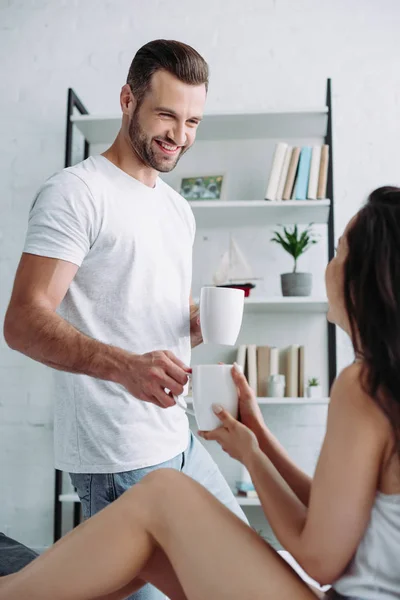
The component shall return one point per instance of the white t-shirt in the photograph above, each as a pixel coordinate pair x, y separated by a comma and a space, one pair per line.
133, 245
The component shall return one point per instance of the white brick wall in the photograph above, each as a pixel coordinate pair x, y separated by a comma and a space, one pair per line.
263, 54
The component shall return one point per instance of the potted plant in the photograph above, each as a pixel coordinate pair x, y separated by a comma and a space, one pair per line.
295, 243
314, 389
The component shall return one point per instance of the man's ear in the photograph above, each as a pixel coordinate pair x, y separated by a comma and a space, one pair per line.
127, 100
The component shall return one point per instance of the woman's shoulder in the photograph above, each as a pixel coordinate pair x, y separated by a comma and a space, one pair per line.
350, 397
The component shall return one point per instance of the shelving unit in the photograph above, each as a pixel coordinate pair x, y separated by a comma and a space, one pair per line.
98, 129
258, 213
296, 123
295, 401
307, 304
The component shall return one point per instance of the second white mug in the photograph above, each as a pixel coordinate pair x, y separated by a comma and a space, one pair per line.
211, 384
221, 314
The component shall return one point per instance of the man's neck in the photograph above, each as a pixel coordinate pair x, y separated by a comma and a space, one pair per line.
122, 156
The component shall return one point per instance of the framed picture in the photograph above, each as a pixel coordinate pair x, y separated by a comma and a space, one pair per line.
202, 187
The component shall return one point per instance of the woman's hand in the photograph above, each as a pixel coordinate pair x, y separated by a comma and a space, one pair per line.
234, 437
249, 410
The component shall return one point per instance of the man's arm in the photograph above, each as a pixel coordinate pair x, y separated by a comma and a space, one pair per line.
195, 330
33, 327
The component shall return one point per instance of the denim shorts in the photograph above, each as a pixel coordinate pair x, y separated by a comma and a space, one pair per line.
98, 490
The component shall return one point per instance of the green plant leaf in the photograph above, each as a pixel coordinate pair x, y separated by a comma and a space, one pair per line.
294, 242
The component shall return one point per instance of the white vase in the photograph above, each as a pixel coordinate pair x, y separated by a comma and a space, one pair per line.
314, 391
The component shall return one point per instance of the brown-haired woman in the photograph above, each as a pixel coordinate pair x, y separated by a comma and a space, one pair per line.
342, 526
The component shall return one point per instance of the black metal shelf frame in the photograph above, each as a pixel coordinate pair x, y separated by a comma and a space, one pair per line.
75, 103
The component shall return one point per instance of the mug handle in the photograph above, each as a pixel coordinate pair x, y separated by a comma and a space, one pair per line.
180, 401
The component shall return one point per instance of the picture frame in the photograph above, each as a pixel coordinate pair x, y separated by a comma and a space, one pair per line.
203, 187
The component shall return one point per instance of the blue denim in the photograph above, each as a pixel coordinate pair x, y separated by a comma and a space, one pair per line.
14, 556
96, 491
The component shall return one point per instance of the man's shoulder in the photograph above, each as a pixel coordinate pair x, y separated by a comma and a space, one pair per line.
175, 196
81, 176
180, 202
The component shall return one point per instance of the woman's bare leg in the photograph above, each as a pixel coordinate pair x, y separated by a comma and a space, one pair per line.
211, 551
159, 573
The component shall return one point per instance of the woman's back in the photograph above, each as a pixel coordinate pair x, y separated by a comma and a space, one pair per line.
374, 571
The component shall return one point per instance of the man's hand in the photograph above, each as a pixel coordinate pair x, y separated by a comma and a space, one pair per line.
195, 330
146, 376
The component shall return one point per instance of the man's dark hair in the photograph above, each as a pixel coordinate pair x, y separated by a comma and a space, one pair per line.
177, 58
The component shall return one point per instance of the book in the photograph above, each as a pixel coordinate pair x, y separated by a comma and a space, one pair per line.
323, 172
291, 175
314, 173
292, 371
241, 356
252, 366
263, 363
248, 494
244, 486
301, 185
273, 361
284, 172
277, 164
301, 372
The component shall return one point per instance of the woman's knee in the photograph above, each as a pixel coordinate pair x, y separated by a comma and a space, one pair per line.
165, 479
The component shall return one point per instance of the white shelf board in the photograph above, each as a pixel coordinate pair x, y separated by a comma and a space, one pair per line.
284, 304
303, 304
258, 213
244, 501
69, 497
294, 401
300, 123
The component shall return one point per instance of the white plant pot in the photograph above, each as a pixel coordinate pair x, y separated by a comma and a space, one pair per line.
314, 391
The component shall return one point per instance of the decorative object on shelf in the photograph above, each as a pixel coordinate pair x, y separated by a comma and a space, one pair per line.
233, 270
202, 187
295, 243
244, 485
276, 386
314, 389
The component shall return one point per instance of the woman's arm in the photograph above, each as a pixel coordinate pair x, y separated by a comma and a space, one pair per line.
298, 481
324, 536
252, 417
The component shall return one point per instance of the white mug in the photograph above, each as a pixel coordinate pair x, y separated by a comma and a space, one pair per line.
221, 314
211, 384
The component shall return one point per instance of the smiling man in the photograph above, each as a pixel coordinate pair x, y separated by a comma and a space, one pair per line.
102, 292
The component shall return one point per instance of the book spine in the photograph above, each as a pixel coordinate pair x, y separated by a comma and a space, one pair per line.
292, 367
301, 372
303, 174
291, 176
274, 361
262, 371
284, 172
314, 173
252, 366
323, 172
277, 164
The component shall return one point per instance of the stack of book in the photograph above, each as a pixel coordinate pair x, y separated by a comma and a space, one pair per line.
259, 362
244, 485
298, 173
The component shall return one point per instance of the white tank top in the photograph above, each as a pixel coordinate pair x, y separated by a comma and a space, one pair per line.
374, 572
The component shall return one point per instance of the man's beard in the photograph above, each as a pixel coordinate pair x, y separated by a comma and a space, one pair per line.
142, 146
